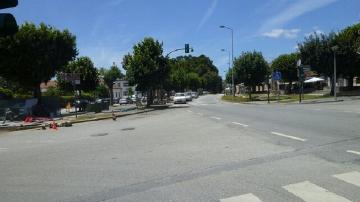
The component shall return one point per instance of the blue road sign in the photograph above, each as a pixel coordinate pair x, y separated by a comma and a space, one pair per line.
276, 76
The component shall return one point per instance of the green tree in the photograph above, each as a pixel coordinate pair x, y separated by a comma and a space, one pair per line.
189, 72
316, 52
89, 76
286, 64
110, 77
34, 54
146, 67
251, 69
101, 91
348, 60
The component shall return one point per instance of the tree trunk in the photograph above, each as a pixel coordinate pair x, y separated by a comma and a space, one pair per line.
111, 92
249, 90
332, 86
149, 98
37, 94
290, 87
351, 82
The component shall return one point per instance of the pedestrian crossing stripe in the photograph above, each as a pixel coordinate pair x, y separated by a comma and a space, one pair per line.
310, 192
351, 178
242, 198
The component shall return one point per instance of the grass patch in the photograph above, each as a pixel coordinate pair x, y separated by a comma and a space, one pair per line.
263, 97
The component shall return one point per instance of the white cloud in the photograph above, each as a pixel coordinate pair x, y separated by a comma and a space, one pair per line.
293, 11
279, 33
208, 14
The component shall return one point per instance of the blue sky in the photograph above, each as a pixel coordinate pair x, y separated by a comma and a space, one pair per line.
108, 29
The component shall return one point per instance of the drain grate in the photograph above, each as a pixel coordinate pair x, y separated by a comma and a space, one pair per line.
125, 129
99, 135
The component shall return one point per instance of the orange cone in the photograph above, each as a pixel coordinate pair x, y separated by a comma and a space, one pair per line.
54, 126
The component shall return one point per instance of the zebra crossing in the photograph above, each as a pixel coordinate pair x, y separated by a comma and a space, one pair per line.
307, 191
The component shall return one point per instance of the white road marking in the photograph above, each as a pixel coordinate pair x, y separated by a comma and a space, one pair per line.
240, 124
288, 136
189, 111
217, 118
351, 177
310, 192
242, 198
200, 114
353, 152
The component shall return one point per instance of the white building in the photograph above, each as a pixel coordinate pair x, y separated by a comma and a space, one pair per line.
121, 89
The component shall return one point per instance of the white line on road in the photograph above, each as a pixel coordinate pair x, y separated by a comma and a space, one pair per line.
242, 198
351, 177
240, 124
353, 152
189, 111
289, 136
217, 118
200, 114
310, 192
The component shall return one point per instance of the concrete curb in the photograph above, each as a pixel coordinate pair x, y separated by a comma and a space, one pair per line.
36, 126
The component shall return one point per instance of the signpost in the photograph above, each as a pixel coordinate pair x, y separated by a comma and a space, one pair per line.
276, 76
74, 79
301, 76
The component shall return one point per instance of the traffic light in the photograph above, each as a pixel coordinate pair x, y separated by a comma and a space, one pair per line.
187, 48
8, 25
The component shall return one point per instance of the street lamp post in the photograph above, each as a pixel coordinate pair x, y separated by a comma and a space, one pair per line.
232, 56
334, 49
224, 50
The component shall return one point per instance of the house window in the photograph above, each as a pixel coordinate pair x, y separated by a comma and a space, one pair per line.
126, 84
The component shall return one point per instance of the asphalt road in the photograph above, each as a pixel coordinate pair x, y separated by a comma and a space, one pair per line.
207, 151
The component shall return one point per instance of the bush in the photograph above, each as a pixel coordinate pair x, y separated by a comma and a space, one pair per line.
6, 93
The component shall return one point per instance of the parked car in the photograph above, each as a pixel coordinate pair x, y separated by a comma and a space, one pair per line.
194, 95
134, 98
179, 98
81, 104
123, 101
188, 96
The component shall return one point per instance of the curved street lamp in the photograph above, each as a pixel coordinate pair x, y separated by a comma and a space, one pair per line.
232, 55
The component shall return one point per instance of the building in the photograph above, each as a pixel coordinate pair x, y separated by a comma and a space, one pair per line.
121, 89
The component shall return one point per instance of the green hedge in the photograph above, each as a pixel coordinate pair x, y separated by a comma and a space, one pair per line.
6, 93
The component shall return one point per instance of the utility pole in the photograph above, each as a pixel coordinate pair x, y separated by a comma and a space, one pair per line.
334, 49
232, 57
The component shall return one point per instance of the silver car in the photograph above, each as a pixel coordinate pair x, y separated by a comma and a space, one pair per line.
179, 98
188, 96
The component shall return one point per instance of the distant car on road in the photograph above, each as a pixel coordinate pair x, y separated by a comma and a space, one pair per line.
179, 98
188, 96
194, 95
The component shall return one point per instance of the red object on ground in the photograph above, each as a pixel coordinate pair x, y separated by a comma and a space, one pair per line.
53, 125
28, 119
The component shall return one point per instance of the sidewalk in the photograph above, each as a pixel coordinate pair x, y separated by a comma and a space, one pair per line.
309, 101
70, 119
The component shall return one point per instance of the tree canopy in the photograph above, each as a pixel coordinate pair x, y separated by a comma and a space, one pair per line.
110, 76
287, 65
89, 79
192, 73
251, 69
34, 54
146, 67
